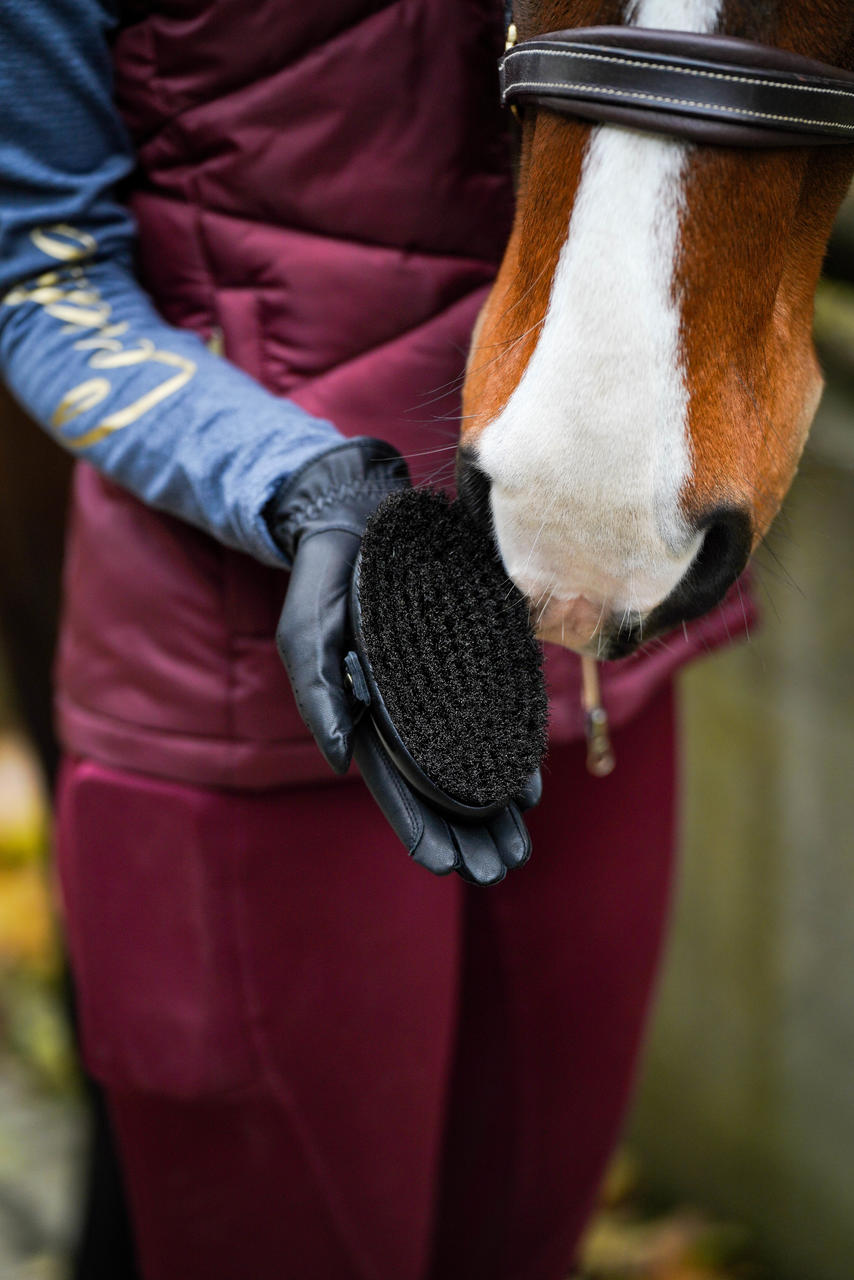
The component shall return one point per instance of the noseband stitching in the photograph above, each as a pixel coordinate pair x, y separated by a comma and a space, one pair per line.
679, 102
516, 54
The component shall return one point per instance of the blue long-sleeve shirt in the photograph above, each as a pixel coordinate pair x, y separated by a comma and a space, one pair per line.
81, 345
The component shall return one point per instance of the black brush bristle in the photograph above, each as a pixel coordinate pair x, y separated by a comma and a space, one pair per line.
450, 642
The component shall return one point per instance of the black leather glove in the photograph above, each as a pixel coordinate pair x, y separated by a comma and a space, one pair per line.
318, 517
481, 852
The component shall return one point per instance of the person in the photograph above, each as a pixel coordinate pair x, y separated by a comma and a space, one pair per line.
242, 249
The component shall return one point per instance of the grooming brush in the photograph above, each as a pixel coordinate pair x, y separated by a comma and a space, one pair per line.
445, 659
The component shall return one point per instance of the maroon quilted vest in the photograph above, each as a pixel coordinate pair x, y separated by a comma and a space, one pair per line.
325, 186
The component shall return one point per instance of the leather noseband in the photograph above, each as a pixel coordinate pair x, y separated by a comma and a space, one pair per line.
707, 88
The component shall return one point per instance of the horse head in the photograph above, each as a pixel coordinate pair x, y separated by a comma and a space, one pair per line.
642, 377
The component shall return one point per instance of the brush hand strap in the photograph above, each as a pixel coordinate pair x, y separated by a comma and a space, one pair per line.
481, 852
318, 517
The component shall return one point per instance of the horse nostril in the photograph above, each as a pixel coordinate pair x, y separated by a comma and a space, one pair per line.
723, 554
722, 557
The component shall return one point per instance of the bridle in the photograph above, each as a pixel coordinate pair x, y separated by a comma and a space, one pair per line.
707, 88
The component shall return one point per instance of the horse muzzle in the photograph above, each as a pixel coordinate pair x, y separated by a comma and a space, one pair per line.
584, 601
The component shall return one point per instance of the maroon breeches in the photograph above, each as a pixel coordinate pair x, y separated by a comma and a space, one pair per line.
325, 1064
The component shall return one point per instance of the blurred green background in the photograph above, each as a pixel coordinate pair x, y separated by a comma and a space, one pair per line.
746, 1103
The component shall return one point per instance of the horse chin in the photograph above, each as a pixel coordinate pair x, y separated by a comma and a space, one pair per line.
620, 640
589, 628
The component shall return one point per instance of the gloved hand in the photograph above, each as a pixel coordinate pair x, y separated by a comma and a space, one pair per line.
318, 517
481, 852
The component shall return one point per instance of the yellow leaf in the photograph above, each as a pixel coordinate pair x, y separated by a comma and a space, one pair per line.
27, 935
23, 806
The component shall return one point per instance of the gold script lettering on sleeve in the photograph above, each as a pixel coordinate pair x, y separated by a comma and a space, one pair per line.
66, 244
79, 400
66, 295
124, 417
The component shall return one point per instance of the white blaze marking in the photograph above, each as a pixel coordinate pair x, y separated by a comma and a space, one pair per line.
677, 15
590, 454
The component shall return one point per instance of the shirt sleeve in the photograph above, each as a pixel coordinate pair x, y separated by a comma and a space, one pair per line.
81, 345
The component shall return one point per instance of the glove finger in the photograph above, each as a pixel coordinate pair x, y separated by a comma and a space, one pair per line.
532, 792
511, 837
479, 859
424, 833
437, 850
312, 639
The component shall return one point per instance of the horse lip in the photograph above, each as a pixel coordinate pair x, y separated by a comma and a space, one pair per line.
473, 488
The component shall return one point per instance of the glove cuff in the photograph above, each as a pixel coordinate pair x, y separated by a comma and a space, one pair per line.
339, 489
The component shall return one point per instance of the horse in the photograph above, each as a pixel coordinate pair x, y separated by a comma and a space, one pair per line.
642, 376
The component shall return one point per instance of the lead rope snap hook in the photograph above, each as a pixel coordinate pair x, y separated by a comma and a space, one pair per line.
600, 753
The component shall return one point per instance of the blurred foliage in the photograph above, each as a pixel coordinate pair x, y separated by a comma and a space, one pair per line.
31, 1020
627, 1240
834, 329
834, 311
23, 808
839, 263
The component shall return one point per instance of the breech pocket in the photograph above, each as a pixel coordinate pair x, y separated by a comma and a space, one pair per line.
146, 870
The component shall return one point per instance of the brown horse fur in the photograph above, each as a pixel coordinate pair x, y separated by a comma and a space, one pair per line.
753, 239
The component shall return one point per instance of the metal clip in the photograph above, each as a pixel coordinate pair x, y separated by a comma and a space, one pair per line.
354, 677
600, 753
